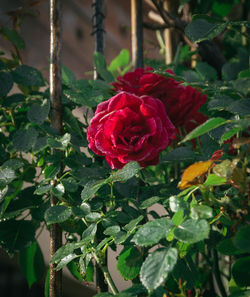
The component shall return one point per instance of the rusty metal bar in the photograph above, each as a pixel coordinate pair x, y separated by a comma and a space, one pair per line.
137, 33
55, 285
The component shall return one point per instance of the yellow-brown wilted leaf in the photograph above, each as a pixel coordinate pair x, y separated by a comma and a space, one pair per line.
191, 174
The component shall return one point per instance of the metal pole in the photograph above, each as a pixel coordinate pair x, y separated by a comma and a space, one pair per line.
137, 33
98, 28
55, 285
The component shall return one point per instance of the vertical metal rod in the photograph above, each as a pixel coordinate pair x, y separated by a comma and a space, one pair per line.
98, 32
55, 285
98, 28
137, 33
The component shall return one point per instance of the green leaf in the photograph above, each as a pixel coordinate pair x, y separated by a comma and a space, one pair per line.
149, 202
201, 212
207, 72
101, 67
68, 77
89, 277
91, 188
191, 76
41, 144
14, 100
178, 217
199, 30
157, 266
226, 247
242, 240
179, 154
120, 61
132, 224
176, 203
66, 260
6, 83
73, 267
129, 262
71, 121
241, 272
205, 127
120, 237
31, 263
58, 190
220, 102
57, 214
230, 70
51, 171
127, 172
244, 73
81, 211
240, 107
42, 189
242, 85
28, 76
7, 175
90, 232
93, 217
191, 231
13, 37
70, 184
215, 180
185, 270
38, 113
152, 232
229, 134
23, 140
62, 252
245, 293
104, 242
83, 93
112, 230
13, 164
134, 291
16, 235
222, 8
60, 142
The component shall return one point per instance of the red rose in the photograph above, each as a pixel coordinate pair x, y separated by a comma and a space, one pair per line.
181, 102
130, 128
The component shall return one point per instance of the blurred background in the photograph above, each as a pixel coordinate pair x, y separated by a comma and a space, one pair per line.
78, 41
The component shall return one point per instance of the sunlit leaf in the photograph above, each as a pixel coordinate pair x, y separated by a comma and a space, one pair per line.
129, 262
191, 174
157, 266
205, 127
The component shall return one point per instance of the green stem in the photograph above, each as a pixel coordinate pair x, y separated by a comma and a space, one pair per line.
217, 274
112, 196
107, 275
